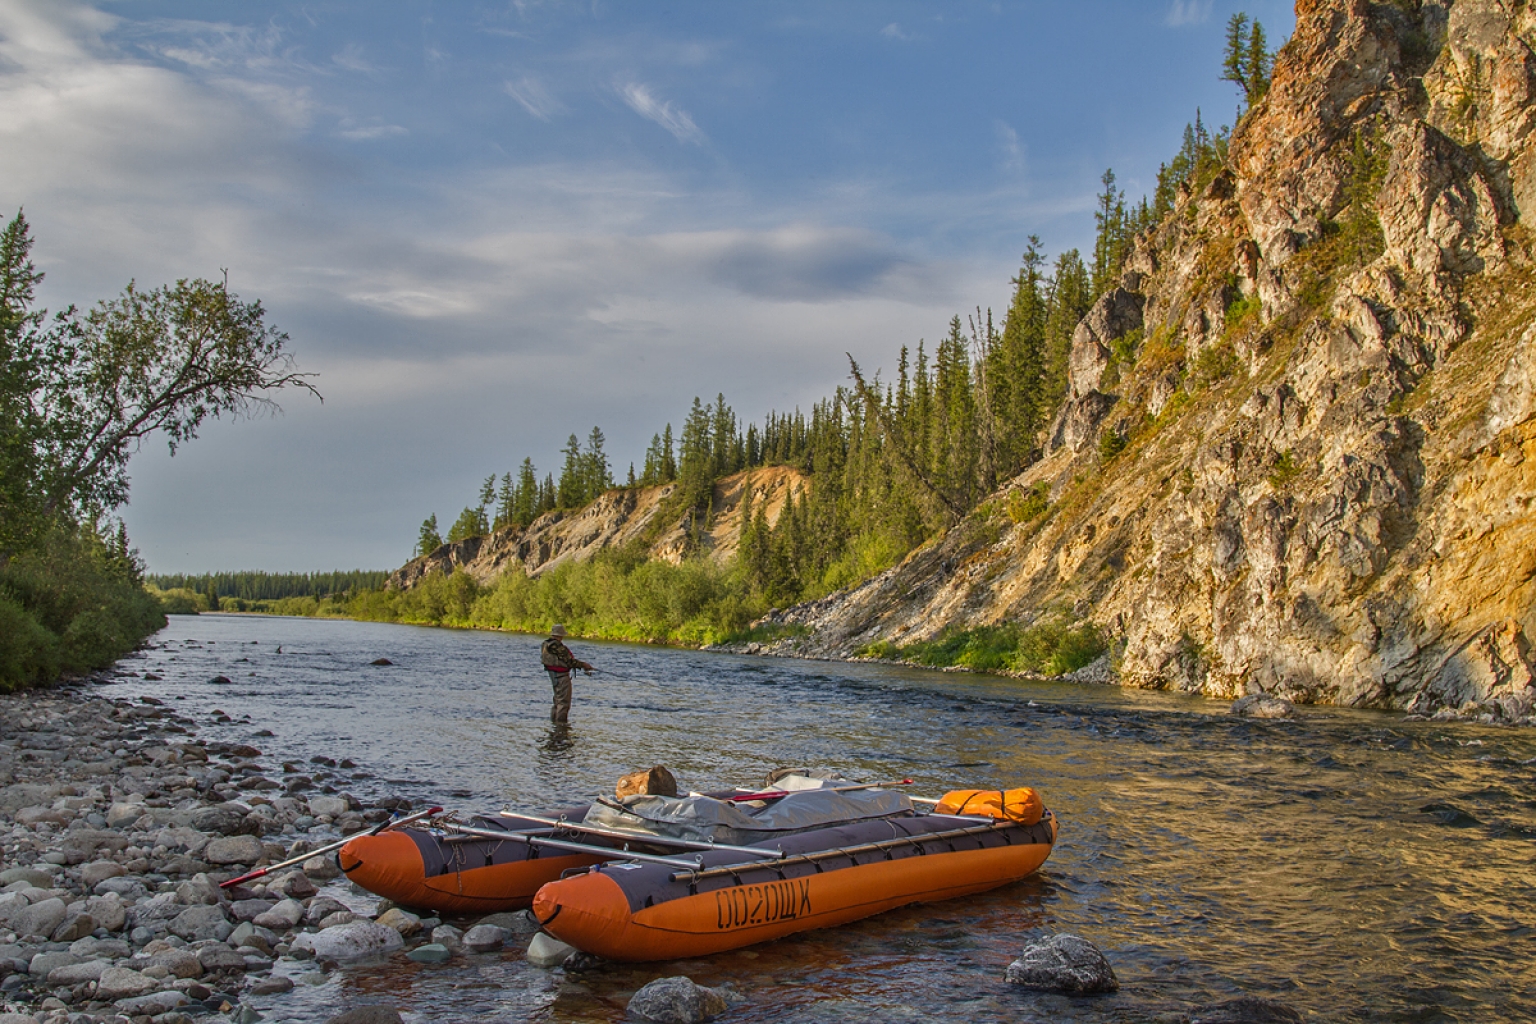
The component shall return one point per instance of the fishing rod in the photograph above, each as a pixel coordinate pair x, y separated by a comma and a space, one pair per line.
338, 844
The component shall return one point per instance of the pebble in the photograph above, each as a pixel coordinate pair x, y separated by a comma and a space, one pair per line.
483, 938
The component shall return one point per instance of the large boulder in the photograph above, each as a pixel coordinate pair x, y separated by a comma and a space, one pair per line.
200, 922
224, 819
1262, 705
40, 918
234, 850
483, 938
76, 974
679, 1000
351, 941
123, 983
1063, 963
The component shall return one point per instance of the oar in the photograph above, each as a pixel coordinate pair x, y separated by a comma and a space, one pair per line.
606, 852
338, 844
629, 835
774, 794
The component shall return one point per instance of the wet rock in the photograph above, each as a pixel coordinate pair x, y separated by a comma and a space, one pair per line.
43, 964
320, 908
123, 983
518, 922
153, 1004
678, 1000
447, 935
234, 850
40, 918
322, 869
271, 986
99, 871
483, 938
76, 974
402, 921
350, 941
544, 950
329, 806
381, 661
281, 917
36, 876
201, 922
368, 1015
1063, 963
431, 953
220, 680
216, 958
1262, 705
1247, 1010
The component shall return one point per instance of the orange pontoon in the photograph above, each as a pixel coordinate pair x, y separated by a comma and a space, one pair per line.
635, 911
454, 873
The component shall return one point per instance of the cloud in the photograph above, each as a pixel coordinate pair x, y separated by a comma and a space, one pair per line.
1188, 12
895, 31
673, 119
534, 97
1009, 145
350, 58
354, 132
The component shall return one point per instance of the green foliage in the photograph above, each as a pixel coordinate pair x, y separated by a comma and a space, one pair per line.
269, 586
471, 523
1112, 442
1122, 357
1244, 311
72, 603
428, 541
1283, 471
1247, 61
1215, 364
1024, 505
1053, 646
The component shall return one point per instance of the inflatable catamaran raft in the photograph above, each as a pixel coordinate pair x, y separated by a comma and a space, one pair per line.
659, 878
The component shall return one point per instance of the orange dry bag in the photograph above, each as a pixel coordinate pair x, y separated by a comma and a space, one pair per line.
1021, 805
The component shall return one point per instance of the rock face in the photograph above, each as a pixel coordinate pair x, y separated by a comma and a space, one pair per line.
1063, 963
616, 518
1329, 488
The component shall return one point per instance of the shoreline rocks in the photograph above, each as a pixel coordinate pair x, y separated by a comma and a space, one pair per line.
117, 824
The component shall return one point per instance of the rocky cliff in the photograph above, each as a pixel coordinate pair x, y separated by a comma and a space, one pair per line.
616, 519
1318, 375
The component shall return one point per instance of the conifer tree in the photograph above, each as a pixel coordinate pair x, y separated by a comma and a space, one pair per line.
569, 493
429, 539
527, 507
1109, 246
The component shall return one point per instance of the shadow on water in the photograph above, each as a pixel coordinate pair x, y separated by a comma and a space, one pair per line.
1354, 865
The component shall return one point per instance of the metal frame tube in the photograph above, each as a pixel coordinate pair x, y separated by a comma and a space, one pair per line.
645, 837
562, 844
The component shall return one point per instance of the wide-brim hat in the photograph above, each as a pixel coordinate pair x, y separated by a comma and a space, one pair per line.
557, 630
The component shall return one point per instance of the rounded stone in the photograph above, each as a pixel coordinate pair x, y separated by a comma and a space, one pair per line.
350, 941
431, 953
234, 850
678, 1000
98, 871
1063, 963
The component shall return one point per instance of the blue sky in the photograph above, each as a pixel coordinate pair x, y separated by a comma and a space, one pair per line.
490, 225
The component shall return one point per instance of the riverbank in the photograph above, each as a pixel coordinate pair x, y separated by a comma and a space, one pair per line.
118, 822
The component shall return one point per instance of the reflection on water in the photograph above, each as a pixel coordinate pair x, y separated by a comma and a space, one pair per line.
1353, 865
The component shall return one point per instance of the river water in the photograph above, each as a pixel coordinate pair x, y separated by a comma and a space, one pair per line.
1353, 865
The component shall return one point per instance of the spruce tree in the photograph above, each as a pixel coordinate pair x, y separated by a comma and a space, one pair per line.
527, 506
429, 540
569, 492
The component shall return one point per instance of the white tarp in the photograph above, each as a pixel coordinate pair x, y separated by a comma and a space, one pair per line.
704, 818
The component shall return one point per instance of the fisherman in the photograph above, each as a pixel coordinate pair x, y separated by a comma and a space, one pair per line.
558, 662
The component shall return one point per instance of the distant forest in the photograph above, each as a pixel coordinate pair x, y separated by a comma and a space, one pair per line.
270, 586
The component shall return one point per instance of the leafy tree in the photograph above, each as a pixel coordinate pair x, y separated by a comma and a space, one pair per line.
429, 540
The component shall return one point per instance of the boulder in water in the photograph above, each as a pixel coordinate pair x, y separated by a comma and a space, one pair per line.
1262, 705
350, 941
546, 951
1063, 963
679, 1000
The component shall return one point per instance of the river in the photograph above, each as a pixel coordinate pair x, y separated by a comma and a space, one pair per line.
1353, 865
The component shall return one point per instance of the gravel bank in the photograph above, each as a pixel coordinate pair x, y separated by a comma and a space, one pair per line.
116, 825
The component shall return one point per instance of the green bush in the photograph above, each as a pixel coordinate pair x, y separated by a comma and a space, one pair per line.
28, 652
1053, 646
1024, 505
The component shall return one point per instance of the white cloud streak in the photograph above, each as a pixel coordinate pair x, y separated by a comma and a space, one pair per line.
1188, 12
534, 97
673, 119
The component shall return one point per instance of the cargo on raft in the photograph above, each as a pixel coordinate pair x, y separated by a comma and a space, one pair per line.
654, 877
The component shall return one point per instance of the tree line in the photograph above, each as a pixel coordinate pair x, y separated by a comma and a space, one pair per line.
269, 586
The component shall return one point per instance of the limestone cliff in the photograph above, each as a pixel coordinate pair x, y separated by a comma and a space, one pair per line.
1320, 375
616, 519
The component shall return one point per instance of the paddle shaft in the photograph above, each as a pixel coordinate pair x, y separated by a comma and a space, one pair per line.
561, 844
338, 844
774, 794
643, 837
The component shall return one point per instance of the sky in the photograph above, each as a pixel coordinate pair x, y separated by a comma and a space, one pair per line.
488, 226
